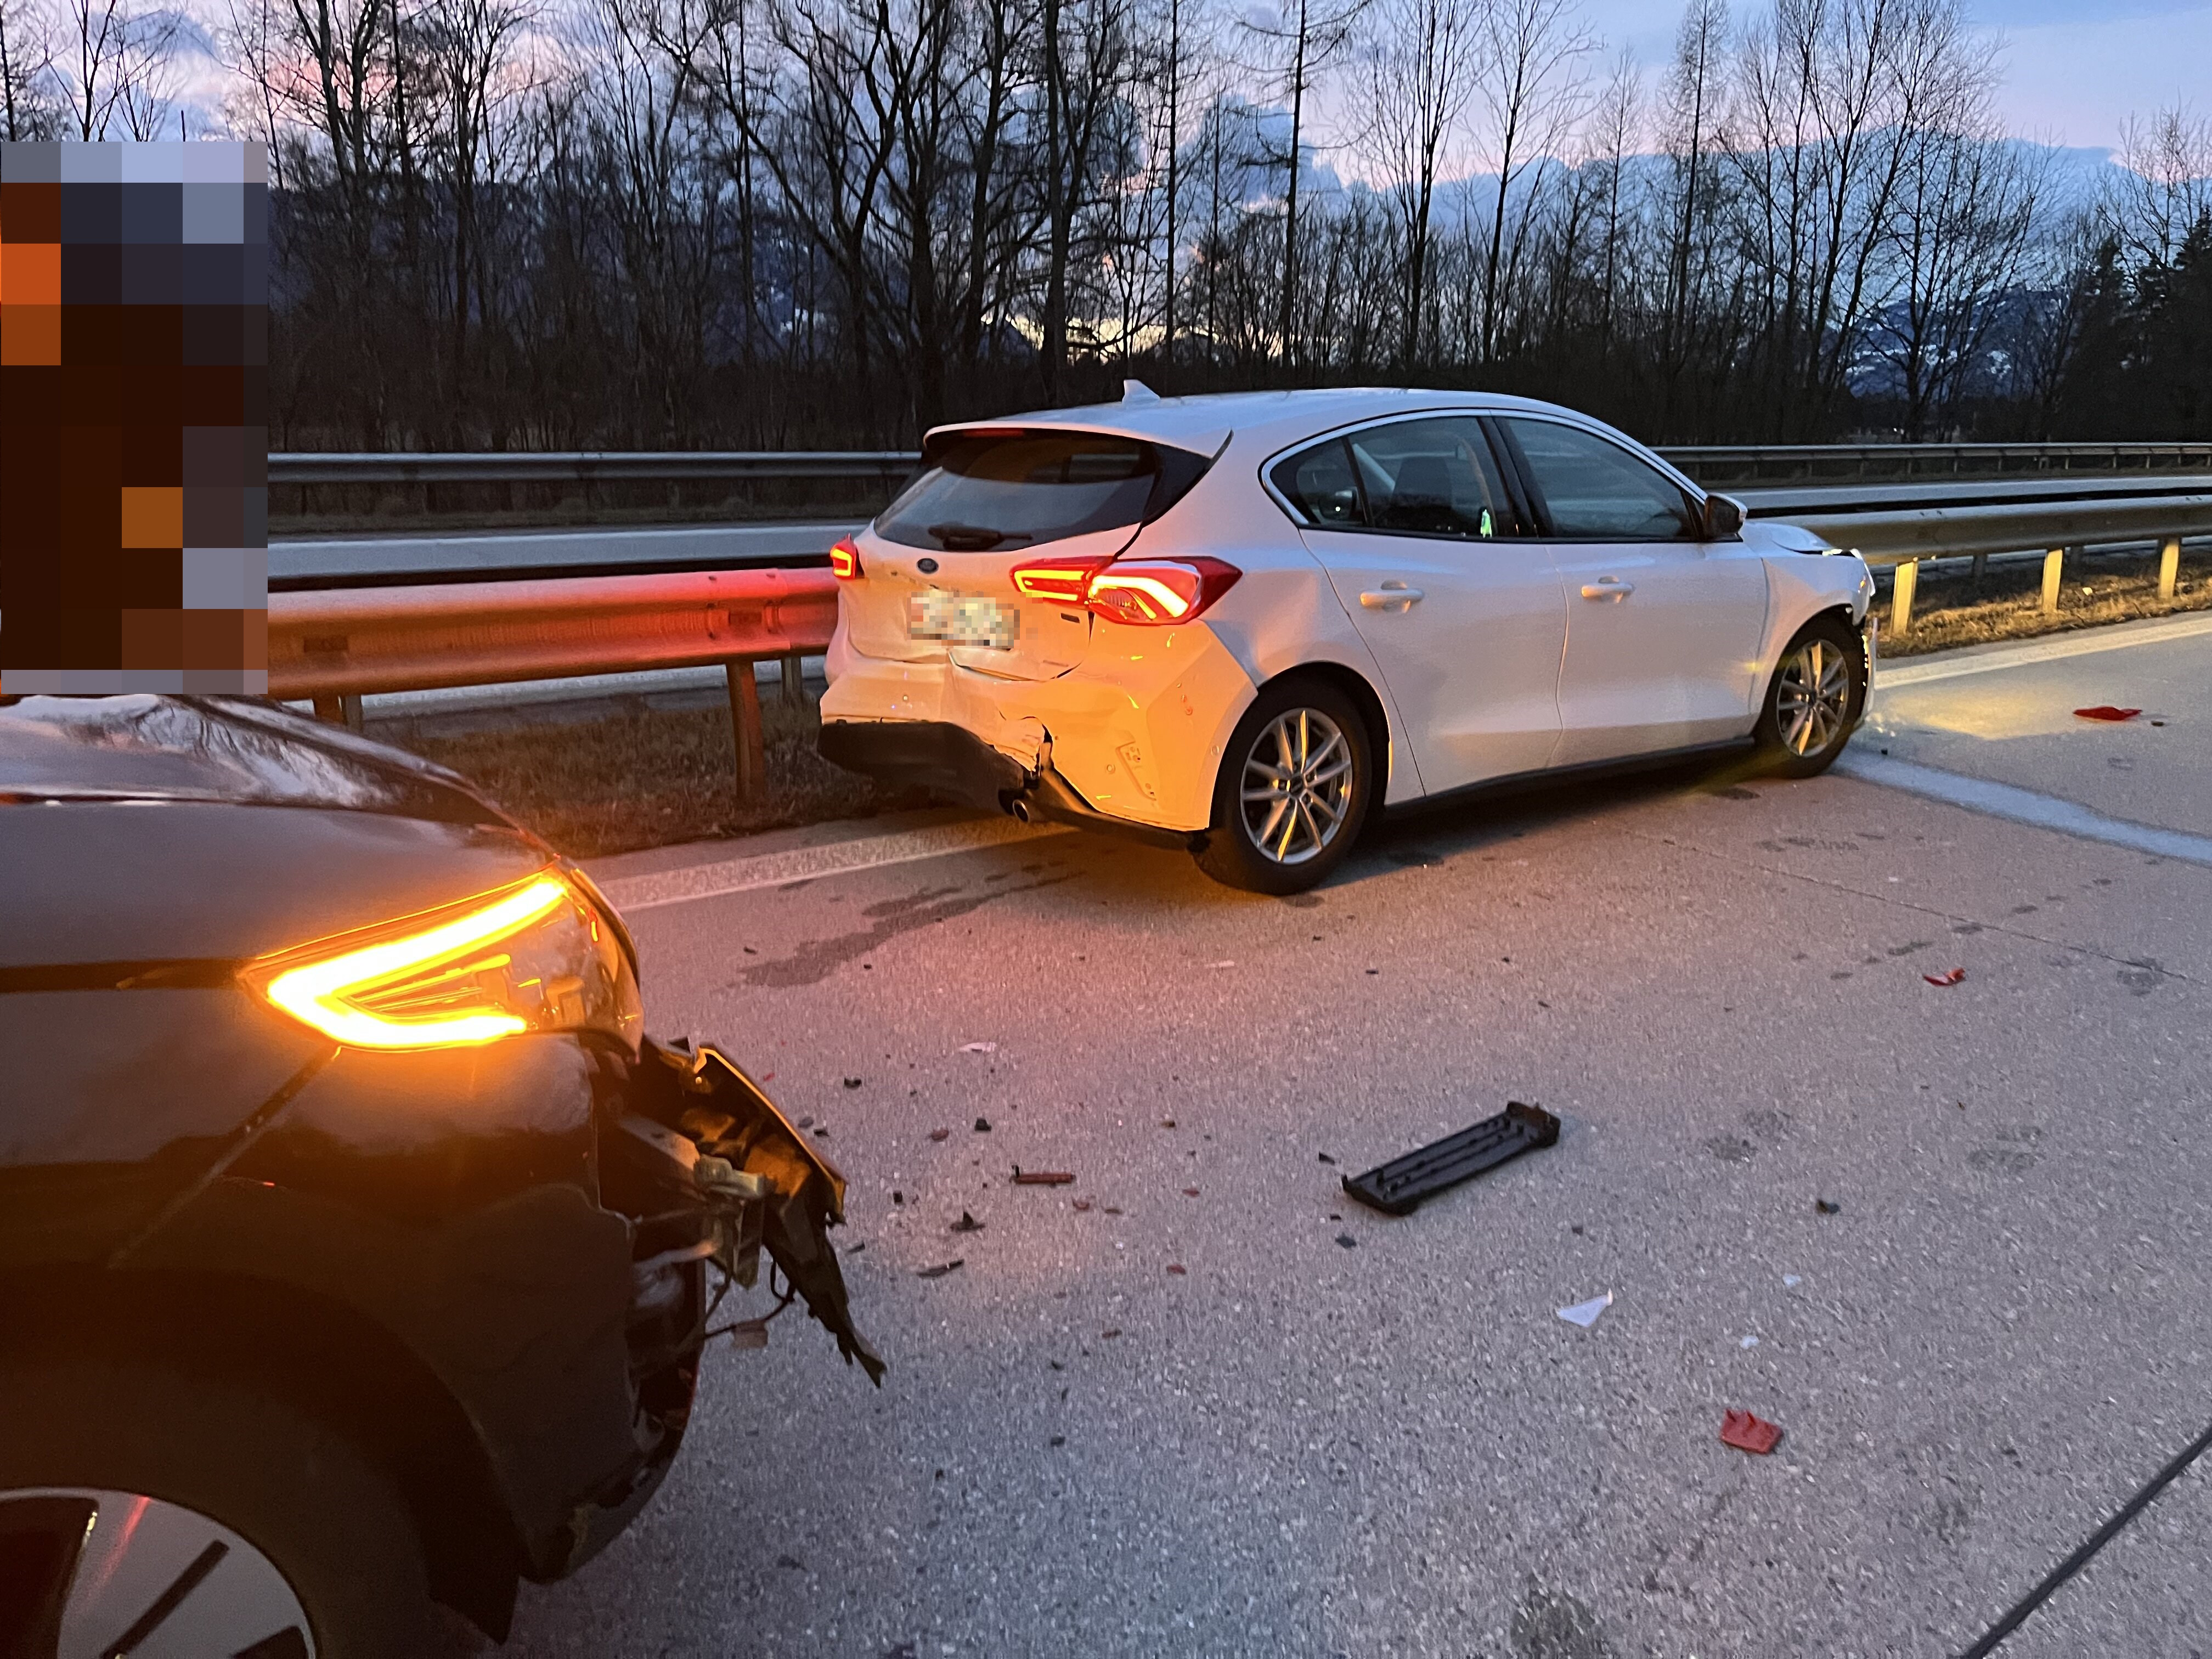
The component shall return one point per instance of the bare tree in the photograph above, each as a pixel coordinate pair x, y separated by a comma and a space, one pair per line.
1532, 84
1420, 70
2163, 184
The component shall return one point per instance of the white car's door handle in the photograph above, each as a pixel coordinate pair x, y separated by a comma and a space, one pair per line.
1607, 587
1394, 596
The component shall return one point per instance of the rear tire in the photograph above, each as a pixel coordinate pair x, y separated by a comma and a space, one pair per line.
1296, 780
1814, 701
311, 1505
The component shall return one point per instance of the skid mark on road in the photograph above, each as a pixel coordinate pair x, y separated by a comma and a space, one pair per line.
816, 960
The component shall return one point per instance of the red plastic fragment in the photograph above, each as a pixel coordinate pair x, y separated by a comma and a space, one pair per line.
1950, 978
2104, 711
1747, 1433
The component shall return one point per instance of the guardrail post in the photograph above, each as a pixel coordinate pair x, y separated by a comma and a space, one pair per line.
2054, 565
795, 680
1905, 581
745, 727
2169, 565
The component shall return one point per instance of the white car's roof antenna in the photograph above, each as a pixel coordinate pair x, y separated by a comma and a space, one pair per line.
1136, 391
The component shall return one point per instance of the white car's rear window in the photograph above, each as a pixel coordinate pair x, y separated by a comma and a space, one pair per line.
987, 491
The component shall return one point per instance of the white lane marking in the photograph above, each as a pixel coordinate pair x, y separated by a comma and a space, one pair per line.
2005, 800
701, 881
1906, 671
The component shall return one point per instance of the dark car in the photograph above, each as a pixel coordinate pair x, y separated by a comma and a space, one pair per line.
355, 1242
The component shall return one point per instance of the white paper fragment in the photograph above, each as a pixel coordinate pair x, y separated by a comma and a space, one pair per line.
1221, 965
1790, 1281
1585, 1314
979, 1048
1748, 1342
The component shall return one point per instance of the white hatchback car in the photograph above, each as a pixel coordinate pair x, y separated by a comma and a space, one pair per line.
1240, 623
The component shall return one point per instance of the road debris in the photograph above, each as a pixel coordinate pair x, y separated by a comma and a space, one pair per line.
749, 1333
1398, 1188
979, 1048
1177, 1268
1952, 977
1347, 1241
942, 1269
1082, 1203
1108, 1335
2104, 711
1190, 1192
940, 1134
1791, 1281
982, 1126
1042, 1177
1748, 1342
1324, 1157
1585, 1314
1747, 1433
967, 1224
852, 1083
1826, 1208
1167, 1123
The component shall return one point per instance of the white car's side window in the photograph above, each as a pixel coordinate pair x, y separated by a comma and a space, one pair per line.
1596, 491
1430, 477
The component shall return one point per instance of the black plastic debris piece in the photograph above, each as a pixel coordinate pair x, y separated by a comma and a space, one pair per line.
982, 1126
852, 1083
1325, 1157
967, 1224
1347, 1241
1398, 1188
942, 1269
1825, 1207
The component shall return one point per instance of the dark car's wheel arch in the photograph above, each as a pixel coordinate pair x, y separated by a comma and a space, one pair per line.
331, 1362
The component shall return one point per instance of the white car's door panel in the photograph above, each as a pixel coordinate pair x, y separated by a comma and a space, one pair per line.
1468, 626
1664, 631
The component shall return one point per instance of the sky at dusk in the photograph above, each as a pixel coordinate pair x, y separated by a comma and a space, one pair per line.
2073, 69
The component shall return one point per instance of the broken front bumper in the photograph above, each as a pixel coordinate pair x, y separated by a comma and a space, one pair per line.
716, 1173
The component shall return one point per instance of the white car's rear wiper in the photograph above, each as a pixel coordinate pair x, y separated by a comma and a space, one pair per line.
973, 538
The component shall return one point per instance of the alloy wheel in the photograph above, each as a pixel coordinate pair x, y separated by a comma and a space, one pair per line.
1812, 696
105, 1572
1297, 789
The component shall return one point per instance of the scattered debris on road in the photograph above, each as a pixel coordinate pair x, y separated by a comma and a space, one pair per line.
1347, 1241
1042, 1177
979, 1048
982, 1126
1585, 1314
2104, 711
1826, 1208
1177, 1268
1324, 1157
1748, 1342
1167, 1123
1951, 976
852, 1083
1791, 1281
1221, 965
967, 1224
1747, 1433
749, 1333
940, 1134
1398, 1188
1190, 1192
1082, 1203
1108, 1335
942, 1269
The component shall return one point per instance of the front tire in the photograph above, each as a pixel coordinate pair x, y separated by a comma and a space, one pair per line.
1295, 783
232, 1522
1814, 701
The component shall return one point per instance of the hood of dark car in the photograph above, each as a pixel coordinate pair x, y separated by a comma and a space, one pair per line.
139, 829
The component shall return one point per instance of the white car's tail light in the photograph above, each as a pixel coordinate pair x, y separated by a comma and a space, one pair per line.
536, 957
1141, 593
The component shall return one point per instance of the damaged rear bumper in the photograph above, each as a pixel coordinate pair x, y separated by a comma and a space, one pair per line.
953, 762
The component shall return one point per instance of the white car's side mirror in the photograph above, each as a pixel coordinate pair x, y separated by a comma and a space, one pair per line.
1724, 517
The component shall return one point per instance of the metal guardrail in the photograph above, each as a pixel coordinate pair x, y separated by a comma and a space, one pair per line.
335, 646
1716, 462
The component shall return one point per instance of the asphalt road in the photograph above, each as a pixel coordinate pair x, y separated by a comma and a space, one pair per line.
1200, 1403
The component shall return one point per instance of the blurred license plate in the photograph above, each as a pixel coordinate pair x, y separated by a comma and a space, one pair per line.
962, 619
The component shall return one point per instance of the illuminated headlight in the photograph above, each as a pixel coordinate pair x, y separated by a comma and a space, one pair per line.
536, 957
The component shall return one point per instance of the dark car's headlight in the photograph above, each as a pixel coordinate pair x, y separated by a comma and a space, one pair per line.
536, 957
